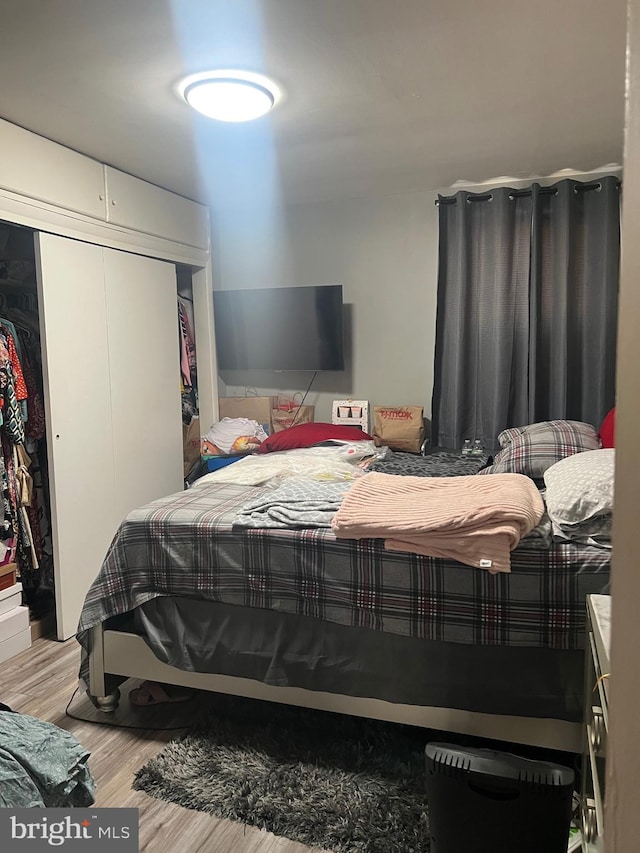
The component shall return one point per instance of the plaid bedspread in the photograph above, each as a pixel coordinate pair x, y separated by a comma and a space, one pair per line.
184, 545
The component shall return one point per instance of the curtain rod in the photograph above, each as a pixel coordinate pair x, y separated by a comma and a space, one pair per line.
595, 185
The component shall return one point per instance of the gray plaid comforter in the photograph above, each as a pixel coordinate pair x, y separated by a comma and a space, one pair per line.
184, 545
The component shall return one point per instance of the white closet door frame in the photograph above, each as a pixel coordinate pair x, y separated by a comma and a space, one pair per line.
73, 326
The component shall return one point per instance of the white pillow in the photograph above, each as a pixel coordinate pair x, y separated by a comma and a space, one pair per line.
580, 487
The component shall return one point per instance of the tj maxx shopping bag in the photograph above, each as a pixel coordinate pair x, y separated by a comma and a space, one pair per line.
399, 427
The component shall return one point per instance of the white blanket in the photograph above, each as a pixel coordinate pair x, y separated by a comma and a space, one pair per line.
340, 462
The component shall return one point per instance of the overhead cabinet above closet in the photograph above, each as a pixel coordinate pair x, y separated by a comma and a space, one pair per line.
143, 207
44, 171
48, 172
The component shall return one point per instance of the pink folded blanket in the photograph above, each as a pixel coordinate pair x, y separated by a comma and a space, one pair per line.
474, 520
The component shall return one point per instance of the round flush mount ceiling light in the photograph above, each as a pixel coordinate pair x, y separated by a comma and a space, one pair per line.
231, 96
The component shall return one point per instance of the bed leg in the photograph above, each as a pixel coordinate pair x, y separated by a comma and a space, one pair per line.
104, 699
96, 663
107, 703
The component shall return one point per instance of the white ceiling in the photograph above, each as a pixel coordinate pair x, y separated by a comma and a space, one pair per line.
381, 96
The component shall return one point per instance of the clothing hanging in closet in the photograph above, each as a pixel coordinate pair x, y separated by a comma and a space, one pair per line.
188, 375
25, 530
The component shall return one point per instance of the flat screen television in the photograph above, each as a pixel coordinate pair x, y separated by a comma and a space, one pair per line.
280, 328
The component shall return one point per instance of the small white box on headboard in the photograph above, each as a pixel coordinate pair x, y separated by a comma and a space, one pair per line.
353, 413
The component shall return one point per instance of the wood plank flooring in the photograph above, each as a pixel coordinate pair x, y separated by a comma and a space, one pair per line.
41, 681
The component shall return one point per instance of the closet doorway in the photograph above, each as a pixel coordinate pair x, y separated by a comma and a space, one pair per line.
191, 427
25, 517
110, 391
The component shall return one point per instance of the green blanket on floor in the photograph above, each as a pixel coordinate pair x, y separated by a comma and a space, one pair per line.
41, 765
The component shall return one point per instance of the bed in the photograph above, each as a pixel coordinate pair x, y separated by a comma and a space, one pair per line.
299, 616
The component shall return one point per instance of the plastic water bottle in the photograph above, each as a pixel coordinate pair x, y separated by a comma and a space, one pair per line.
466, 447
478, 448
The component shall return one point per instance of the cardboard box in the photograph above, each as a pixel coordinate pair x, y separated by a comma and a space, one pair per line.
44, 626
7, 568
252, 407
191, 444
8, 575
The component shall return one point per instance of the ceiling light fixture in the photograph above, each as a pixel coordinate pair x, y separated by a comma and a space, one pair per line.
231, 96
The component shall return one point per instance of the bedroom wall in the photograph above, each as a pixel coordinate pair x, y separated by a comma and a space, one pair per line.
383, 250
384, 253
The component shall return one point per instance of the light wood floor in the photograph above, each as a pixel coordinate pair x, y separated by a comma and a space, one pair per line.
41, 681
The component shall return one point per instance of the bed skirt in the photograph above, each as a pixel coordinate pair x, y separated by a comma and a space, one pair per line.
286, 650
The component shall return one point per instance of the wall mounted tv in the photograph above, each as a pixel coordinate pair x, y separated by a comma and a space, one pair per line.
280, 328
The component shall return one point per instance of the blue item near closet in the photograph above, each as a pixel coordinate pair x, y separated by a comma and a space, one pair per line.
214, 463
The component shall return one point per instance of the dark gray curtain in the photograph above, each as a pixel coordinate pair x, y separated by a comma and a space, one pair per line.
527, 308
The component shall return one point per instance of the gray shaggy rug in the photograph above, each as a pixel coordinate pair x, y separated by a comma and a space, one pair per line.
326, 780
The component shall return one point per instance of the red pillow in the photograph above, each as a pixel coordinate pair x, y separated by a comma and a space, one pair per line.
306, 435
608, 429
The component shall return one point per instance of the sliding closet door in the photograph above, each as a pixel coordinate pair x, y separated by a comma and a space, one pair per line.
109, 332
144, 365
78, 408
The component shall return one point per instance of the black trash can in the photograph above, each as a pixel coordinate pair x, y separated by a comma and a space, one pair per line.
486, 801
